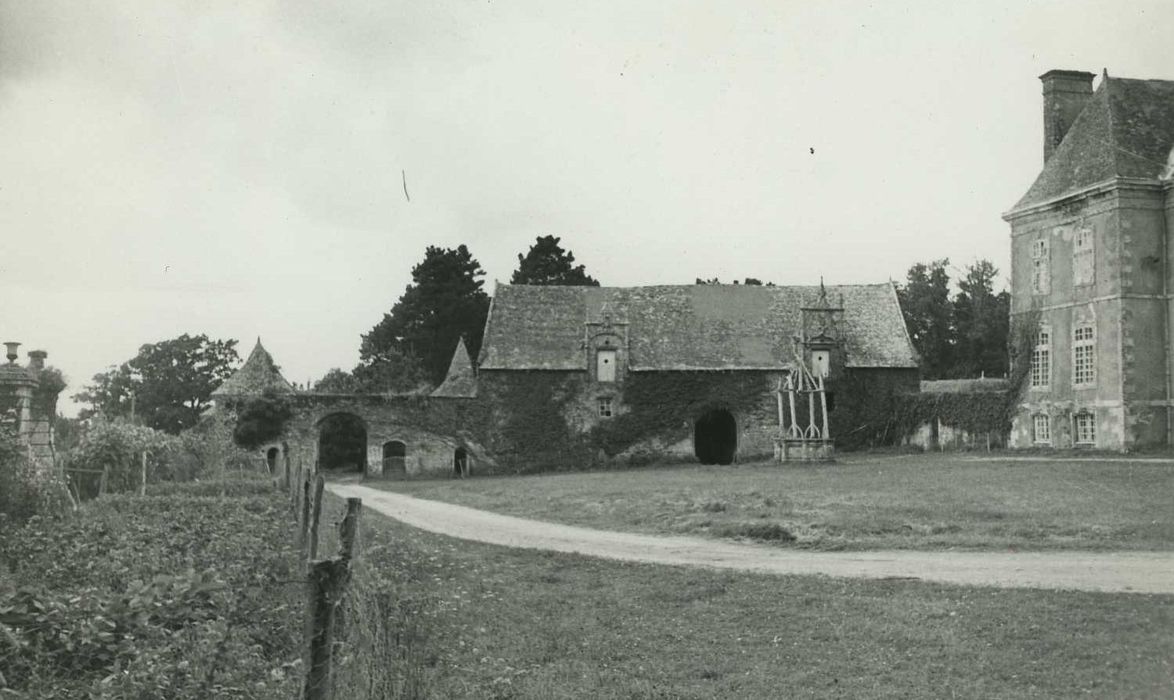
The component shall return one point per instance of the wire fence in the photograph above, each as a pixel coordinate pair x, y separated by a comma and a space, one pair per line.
361, 640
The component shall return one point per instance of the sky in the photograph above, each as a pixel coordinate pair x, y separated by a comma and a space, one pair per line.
239, 168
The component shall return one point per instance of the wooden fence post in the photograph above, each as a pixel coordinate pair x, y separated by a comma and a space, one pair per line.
304, 521
143, 476
324, 590
348, 542
348, 530
102, 481
316, 515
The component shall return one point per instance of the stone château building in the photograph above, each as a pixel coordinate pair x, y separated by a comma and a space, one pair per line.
1091, 266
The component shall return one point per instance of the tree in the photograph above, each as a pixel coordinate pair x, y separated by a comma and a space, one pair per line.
547, 263
393, 372
171, 382
444, 302
982, 323
261, 419
929, 316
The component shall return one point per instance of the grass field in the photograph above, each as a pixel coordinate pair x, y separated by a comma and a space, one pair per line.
862, 502
502, 623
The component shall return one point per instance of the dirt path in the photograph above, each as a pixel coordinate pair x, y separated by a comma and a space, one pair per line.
1133, 572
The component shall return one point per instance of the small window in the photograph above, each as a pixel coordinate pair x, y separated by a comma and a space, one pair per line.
605, 407
1040, 272
820, 361
1084, 355
1083, 258
1041, 430
1086, 428
605, 366
1041, 360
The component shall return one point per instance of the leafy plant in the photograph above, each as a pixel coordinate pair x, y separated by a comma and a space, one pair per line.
261, 419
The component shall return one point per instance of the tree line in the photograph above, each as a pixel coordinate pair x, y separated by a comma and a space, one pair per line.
959, 335
168, 384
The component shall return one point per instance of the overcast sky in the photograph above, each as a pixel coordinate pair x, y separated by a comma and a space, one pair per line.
234, 168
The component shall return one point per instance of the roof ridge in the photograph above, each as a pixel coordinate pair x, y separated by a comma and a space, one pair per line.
1113, 145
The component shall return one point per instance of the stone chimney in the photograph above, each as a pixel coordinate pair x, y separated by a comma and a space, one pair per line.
1065, 94
37, 360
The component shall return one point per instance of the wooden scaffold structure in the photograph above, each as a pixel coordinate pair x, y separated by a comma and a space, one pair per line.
800, 441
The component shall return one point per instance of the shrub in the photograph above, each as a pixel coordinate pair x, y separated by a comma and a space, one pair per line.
152, 597
25, 489
261, 420
117, 447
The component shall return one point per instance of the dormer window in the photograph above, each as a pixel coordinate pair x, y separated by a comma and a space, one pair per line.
605, 365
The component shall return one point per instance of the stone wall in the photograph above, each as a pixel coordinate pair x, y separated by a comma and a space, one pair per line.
432, 429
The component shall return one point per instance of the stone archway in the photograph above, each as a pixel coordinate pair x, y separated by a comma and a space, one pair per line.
460, 462
715, 437
342, 443
395, 457
271, 456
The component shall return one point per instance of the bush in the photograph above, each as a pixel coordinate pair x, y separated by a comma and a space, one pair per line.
26, 490
117, 447
261, 420
152, 597
212, 487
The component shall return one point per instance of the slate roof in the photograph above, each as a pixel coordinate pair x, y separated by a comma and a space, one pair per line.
257, 374
1125, 130
687, 327
460, 382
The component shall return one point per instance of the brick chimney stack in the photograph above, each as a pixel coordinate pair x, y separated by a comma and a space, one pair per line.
1065, 94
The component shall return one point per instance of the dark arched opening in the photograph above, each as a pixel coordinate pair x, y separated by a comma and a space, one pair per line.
342, 443
460, 462
715, 437
271, 458
395, 455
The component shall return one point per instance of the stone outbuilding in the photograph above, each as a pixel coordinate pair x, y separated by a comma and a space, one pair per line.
1091, 266
574, 375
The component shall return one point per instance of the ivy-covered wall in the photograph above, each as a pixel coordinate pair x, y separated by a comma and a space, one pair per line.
865, 401
532, 421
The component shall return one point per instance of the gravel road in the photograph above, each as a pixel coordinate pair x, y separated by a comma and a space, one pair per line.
1117, 572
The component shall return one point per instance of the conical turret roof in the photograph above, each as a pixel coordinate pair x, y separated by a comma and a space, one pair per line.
258, 374
460, 382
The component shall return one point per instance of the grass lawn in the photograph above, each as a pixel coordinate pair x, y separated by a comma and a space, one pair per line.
862, 502
500, 623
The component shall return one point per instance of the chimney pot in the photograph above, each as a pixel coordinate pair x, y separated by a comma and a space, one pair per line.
37, 359
1065, 94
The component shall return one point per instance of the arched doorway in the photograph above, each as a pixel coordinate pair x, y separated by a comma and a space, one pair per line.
395, 457
342, 443
715, 437
460, 462
271, 458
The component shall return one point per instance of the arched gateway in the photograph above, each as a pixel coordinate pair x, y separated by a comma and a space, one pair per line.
715, 437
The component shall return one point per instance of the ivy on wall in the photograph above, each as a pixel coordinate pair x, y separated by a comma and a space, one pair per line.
664, 405
532, 432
